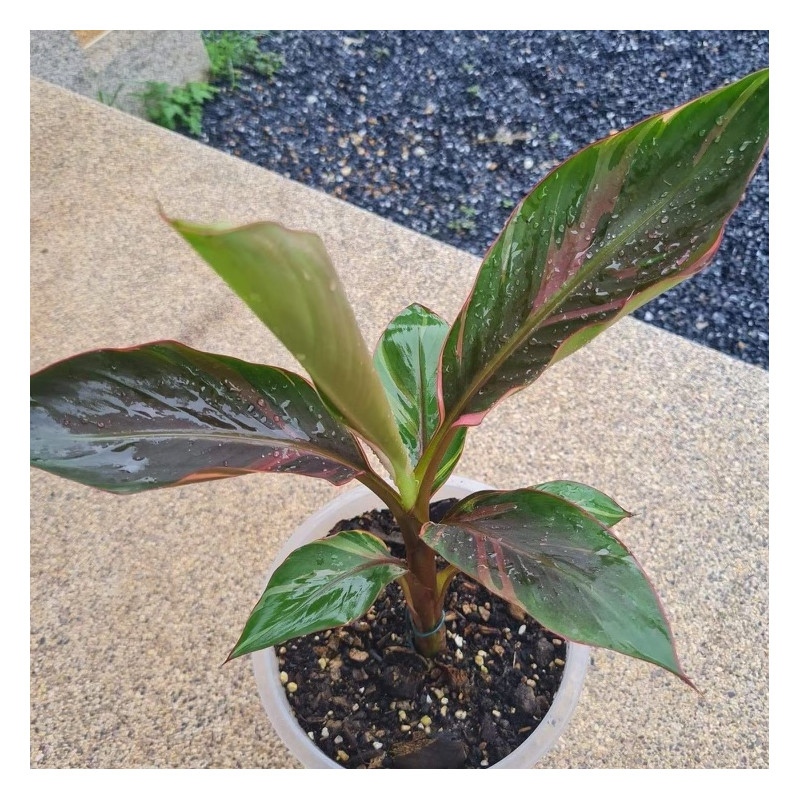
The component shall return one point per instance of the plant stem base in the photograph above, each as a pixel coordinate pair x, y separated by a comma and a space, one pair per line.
370, 700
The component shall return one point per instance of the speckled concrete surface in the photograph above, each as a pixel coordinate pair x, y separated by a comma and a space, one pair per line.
135, 601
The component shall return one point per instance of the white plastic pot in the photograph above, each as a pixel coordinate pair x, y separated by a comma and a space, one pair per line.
265, 662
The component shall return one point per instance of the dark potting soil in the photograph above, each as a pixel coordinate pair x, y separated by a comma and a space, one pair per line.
444, 131
369, 700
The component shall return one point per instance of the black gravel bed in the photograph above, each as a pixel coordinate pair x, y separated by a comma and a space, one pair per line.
444, 131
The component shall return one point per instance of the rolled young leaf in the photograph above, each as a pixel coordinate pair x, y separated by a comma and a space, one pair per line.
593, 502
562, 566
320, 585
287, 279
164, 414
407, 362
615, 225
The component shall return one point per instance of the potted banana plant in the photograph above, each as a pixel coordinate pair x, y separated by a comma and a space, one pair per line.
619, 222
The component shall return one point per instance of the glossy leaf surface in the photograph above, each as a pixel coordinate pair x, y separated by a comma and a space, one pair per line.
165, 414
561, 565
407, 361
287, 279
615, 225
593, 502
321, 585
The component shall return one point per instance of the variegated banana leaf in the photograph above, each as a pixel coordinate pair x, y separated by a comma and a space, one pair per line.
407, 361
164, 414
320, 585
615, 225
561, 565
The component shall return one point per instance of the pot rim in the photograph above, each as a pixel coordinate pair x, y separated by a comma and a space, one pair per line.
265, 662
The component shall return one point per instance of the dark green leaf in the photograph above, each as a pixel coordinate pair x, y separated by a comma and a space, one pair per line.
164, 414
407, 362
287, 279
615, 225
561, 565
592, 501
320, 585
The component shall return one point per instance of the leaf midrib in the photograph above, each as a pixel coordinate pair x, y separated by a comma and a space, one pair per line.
296, 444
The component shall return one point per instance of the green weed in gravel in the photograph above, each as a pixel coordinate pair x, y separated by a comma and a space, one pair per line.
230, 51
176, 107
